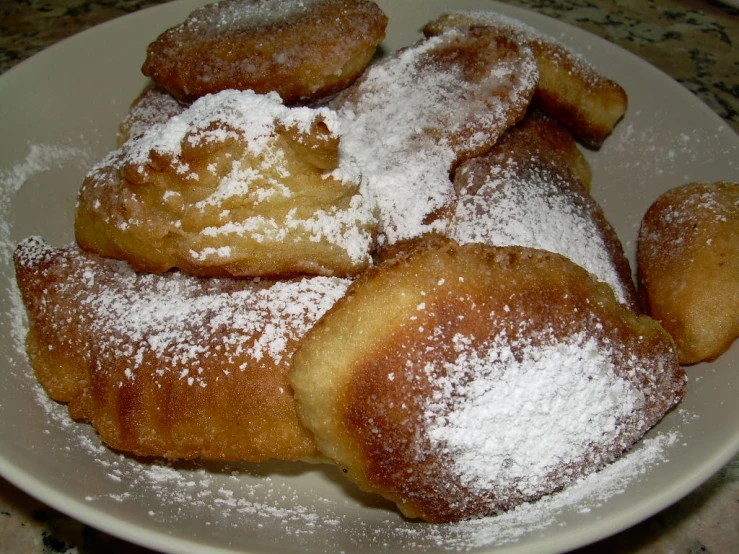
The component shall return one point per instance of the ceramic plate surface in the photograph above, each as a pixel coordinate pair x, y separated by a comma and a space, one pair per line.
59, 112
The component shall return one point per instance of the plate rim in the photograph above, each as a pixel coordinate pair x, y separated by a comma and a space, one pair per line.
160, 540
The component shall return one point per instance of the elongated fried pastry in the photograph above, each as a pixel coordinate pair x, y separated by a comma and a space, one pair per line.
688, 267
239, 185
569, 87
301, 49
416, 114
461, 381
170, 365
527, 191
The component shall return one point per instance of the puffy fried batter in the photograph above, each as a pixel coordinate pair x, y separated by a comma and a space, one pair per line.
416, 114
236, 185
569, 88
301, 49
154, 105
462, 381
527, 192
688, 267
170, 365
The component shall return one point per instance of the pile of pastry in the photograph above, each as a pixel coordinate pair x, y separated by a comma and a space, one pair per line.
303, 250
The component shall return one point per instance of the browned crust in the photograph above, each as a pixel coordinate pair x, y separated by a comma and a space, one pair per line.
569, 88
238, 407
306, 56
367, 414
688, 267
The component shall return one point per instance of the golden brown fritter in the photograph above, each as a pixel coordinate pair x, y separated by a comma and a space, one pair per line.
416, 114
569, 88
460, 381
302, 50
238, 185
170, 365
688, 267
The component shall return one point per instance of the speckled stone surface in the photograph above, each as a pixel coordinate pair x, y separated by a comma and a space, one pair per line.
696, 42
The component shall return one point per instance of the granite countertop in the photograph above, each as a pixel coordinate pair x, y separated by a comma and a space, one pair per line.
696, 42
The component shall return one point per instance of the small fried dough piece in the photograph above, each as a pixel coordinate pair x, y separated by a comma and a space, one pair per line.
527, 191
415, 115
170, 365
303, 50
569, 88
154, 105
688, 267
460, 381
237, 185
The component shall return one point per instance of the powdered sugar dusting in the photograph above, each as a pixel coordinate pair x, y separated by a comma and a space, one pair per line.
214, 118
255, 499
410, 117
258, 196
583, 497
176, 491
153, 107
174, 317
534, 208
697, 207
240, 14
546, 417
248, 498
40, 159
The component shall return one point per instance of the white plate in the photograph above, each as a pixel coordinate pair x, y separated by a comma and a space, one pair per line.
59, 112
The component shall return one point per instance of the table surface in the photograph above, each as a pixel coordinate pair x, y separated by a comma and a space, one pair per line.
696, 42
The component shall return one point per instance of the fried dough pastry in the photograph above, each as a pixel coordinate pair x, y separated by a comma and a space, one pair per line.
460, 381
170, 365
688, 267
416, 114
528, 191
153, 106
236, 185
302, 50
569, 88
